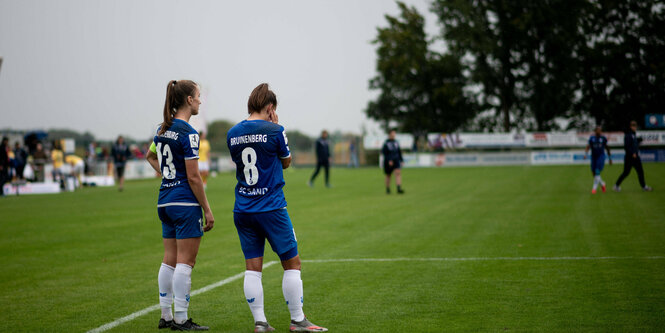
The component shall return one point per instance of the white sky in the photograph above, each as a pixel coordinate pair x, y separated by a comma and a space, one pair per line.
103, 66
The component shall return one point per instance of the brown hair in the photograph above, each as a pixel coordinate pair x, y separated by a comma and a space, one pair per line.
176, 96
260, 97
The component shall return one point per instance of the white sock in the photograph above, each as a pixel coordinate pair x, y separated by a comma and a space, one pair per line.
254, 295
293, 294
595, 182
165, 281
600, 180
182, 283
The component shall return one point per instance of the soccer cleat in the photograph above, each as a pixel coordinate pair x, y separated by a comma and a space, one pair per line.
593, 191
400, 191
310, 184
189, 325
305, 326
617, 188
262, 326
647, 189
387, 190
164, 323
604, 188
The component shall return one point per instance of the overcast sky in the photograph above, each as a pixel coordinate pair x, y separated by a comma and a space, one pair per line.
103, 66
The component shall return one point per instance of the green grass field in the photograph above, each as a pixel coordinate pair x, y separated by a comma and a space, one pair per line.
75, 261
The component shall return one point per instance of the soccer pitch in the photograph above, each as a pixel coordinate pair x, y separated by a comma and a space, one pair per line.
465, 249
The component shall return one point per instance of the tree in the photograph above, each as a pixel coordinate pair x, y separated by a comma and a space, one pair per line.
419, 89
299, 141
217, 135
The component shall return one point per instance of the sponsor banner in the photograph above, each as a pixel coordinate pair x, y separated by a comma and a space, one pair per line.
654, 121
554, 157
479, 140
31, 188
465, 159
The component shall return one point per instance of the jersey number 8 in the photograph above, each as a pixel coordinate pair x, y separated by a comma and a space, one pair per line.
249, 160
168, 170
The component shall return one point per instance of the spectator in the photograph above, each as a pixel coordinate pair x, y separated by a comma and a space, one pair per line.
20, 160
58, 159
353, 153
39, 159
322, 158
120, 153
4, 164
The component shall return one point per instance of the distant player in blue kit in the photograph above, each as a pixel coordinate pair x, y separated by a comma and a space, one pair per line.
174, 154
260, 150
598, 145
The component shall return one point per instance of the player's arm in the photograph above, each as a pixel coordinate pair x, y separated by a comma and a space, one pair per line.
609, 155
151, 157
286, 162
196, 184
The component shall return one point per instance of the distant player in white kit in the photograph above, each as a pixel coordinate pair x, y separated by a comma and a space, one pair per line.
260, 151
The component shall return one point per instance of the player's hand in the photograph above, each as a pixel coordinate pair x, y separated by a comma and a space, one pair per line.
610, 162
585, 156
210, 221
634, 155
390, 163
272, 116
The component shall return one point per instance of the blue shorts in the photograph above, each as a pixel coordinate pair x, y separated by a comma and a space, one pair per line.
181, 222
254, 228
597, 165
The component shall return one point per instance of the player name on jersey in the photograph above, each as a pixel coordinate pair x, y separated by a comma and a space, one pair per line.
170, 135
252, 138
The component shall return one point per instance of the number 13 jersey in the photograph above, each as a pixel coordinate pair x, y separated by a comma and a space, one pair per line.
180, 142
257, 147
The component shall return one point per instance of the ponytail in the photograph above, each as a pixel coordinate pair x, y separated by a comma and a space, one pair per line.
176, 95
260, 97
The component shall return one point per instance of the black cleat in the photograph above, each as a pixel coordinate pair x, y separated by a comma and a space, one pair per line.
400, 191
189, 325
388, 190
164, 324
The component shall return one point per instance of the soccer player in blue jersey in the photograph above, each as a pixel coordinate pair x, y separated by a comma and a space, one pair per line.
598, 145
260, 150
174, 154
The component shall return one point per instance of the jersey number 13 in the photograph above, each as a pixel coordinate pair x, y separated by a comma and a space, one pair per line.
168, 168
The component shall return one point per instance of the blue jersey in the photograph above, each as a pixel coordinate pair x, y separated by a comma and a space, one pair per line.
257, 147
598, 145
179, 143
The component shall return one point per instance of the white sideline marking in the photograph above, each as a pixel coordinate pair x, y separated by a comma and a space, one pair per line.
149, 309
220, 283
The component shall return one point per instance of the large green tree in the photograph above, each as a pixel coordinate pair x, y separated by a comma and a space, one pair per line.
419, 90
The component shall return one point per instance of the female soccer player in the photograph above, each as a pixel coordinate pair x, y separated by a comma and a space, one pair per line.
181, 197
260, 151
392, 159
598, 145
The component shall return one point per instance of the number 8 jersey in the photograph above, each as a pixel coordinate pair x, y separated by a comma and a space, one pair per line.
179, 143
257, 147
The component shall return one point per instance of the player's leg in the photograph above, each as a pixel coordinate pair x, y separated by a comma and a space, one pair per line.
398, 180
252, 242
594, 171
189, 230
316, 172
166, 269
282, 239
640, 174
326, 169
627, 165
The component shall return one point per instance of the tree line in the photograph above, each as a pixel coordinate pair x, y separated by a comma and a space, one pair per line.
509, 65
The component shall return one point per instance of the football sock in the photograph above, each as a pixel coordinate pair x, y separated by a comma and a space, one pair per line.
254, 295
293, 293
595, 182
165, 281
182, 283
600, 180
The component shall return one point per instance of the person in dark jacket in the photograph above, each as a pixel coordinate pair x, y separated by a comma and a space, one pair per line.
392, 161
20, 160
120, 152
632, 159
4, 163
322, 158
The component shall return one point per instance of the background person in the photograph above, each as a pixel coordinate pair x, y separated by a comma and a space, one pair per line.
204, 159
39, 159
58, 159
260, 150
4, 163
120, 152
77, 167
632, 159
598, 145
322, 158
20, 160
392, 161
353, 153
181, 198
